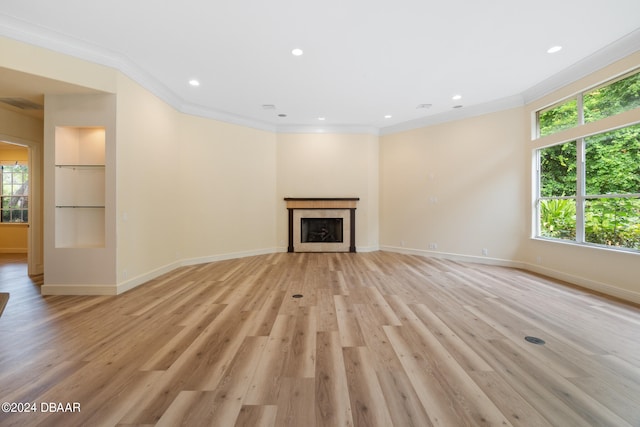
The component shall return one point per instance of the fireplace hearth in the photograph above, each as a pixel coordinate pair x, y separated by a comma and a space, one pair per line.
321, 224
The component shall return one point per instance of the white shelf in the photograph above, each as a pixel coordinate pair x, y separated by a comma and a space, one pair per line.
80, 187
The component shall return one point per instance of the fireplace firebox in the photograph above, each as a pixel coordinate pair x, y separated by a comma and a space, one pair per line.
321, 230
322, 224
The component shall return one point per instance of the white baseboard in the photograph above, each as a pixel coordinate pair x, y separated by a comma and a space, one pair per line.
117, 289
231, 255
78, 289
585, 283
558, 275
62, 289
455, 257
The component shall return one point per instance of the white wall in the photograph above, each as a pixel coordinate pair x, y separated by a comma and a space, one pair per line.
189, 189
330, 165
228, 193
148, 183
455, 188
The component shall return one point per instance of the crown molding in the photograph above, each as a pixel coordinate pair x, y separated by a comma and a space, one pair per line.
609, 54
26, 32
457, 114
329, 129
209, 113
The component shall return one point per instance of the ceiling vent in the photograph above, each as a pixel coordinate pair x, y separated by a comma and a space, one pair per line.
21, 103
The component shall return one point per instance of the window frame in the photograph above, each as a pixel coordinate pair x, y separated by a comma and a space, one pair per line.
578, 134
25, 197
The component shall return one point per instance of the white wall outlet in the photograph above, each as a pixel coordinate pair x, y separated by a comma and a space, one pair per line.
402, 243
433, 246
485, 251
538, 259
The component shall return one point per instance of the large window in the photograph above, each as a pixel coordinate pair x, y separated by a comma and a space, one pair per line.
589, 188
15, 191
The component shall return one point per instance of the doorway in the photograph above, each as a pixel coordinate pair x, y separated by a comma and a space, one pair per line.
22, 202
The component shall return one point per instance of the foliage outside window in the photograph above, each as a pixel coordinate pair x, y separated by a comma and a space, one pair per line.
559, 117
589, 189
15, 191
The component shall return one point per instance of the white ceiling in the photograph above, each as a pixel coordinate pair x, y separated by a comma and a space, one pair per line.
363, 59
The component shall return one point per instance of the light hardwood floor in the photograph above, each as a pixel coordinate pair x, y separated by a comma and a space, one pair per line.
377, 339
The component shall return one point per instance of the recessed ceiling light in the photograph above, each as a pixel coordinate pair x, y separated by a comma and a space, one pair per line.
457, 106
282, 115
456, 97
268, 107
194, 82
388, 116
554, 49
297, 52
321, 118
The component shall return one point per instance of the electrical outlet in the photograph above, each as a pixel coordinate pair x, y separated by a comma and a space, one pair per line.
402, 243
538, 259
433, 246
485, 251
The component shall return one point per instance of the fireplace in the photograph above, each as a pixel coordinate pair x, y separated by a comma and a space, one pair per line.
321, 225
318, 230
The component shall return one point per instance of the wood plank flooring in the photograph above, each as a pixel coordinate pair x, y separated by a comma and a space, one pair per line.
377, 339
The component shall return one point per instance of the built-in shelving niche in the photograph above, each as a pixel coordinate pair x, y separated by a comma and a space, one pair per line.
79, 187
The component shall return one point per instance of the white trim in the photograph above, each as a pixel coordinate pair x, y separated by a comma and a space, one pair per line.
231, 255
585, 283
582, 282
615, 51
144, 278
457, 114
61, 289
454, 257
78, 290
23, 31
321, 129
209, 113
122, 287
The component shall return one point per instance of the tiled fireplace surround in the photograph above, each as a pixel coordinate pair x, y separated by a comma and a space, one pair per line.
344, 208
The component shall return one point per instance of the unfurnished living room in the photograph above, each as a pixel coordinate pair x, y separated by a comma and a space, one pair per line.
354, 213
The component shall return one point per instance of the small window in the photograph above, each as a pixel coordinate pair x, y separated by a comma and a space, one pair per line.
15, 191
557, 118
612, 98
